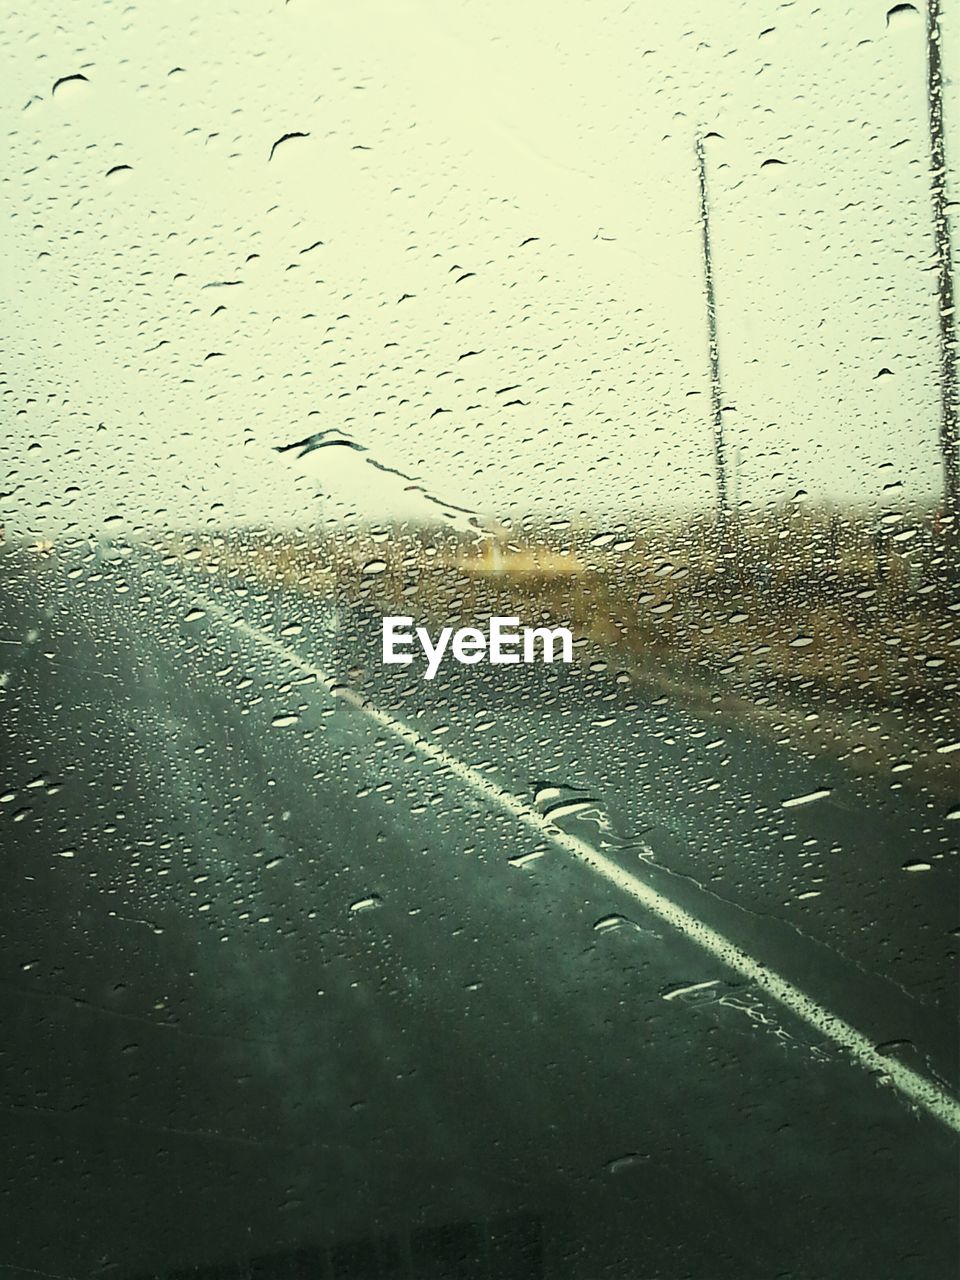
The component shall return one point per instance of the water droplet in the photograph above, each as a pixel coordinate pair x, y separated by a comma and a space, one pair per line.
628, 1161
567, 808
523, 859
892, 1046
67, 86
606, 923
677, 989
903, 15
809, 798
366, 904
287, 137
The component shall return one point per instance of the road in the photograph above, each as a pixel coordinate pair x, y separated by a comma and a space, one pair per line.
303, 976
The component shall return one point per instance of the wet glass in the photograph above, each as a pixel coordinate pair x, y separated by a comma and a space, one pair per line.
627, 331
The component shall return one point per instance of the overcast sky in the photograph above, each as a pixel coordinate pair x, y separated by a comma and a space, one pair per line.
482, 263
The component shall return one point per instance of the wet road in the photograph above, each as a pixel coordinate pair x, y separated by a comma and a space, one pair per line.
302, 973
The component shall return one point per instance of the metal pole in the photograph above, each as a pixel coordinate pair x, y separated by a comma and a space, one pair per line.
949, 429
715, 398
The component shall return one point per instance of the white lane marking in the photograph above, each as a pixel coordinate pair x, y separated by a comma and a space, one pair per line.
922, 1092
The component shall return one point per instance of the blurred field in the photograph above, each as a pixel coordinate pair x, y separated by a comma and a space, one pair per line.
839, 616
818, 597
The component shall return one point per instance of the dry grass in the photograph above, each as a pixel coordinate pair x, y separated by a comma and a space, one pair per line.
866, 614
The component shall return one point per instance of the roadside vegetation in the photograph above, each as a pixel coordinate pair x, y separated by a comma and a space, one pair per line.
834, 626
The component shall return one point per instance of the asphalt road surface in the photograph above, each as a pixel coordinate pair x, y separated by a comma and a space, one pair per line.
305, 974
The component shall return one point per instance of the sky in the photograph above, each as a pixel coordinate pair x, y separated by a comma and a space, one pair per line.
481, 263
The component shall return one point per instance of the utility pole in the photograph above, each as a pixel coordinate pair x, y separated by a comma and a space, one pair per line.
716, 406
949, 429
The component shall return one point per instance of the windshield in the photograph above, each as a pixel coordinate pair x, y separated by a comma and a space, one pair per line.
480, 641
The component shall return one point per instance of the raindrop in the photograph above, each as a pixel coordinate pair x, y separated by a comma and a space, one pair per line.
677, 989
74, 80
629, 1161
522, 859
366, 904
902, 14
606, 924
287, 137
809, 798
892, 1046
566, 808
